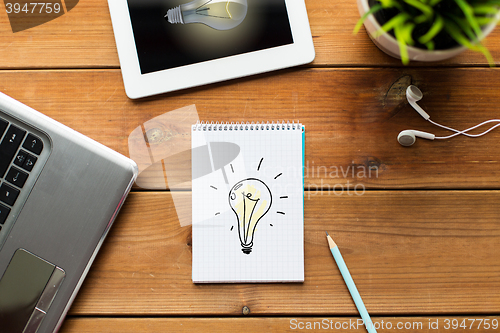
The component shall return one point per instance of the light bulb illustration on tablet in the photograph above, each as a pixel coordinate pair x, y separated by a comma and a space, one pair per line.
217, 14
250, 199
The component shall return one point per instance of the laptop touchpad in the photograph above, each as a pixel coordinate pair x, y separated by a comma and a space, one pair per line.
26, 291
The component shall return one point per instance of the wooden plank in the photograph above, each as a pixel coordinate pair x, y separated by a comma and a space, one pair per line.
83, 38
478, 324
352, 119
418, 252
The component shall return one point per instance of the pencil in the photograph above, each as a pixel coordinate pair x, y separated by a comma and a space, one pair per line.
350, 285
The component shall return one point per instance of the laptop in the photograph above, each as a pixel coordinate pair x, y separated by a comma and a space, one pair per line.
59, 195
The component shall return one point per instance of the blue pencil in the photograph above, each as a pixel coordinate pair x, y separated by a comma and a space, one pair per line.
350, 285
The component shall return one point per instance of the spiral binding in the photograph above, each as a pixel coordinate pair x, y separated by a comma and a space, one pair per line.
258, 126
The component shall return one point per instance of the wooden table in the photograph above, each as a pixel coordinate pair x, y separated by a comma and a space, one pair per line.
421, 240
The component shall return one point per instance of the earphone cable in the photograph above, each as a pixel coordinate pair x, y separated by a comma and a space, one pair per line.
464, 132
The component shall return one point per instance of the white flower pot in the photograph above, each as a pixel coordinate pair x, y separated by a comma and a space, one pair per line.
387, 43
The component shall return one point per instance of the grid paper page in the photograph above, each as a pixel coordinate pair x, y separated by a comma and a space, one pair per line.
254, 182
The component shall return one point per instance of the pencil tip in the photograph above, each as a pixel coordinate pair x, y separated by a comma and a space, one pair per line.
327, 233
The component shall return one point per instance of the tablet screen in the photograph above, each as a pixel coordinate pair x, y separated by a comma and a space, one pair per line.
175, 33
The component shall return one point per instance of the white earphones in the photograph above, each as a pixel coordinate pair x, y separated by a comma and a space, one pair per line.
408, 137
413, 95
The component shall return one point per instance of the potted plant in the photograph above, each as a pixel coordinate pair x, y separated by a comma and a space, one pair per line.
429, 30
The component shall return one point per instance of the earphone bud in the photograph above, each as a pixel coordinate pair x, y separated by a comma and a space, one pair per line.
413, 95
408, 137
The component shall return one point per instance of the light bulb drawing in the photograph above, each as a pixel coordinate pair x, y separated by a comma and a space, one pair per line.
250, 199
217, 14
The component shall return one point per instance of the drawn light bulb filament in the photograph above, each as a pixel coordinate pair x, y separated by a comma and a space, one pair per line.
250, 200
249, 205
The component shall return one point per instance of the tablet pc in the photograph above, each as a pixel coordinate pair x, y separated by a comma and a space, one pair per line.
167, 45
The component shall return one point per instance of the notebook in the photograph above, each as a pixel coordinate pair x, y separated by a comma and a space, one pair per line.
247, 202
59, 195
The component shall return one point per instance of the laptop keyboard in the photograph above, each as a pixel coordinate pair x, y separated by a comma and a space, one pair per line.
19, 153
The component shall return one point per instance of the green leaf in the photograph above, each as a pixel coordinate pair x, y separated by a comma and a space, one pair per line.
406, 33
436, 27
430, 45
461, 24
469, 15
385, 3
482, 21
388, 3
372, 10
483, 9
403, 49
393, 4
421, 19
425, 9
433, 3
486, 54
457, 35
397, 20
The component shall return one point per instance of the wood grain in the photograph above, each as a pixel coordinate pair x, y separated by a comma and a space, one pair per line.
83, 38
352, 118
247, 325
419, 233
418, 252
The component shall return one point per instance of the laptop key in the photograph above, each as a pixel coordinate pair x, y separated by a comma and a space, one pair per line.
8, 147
29, 162
4, 212
8, 194
20, 158
25, 160
16, 177
33, 144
